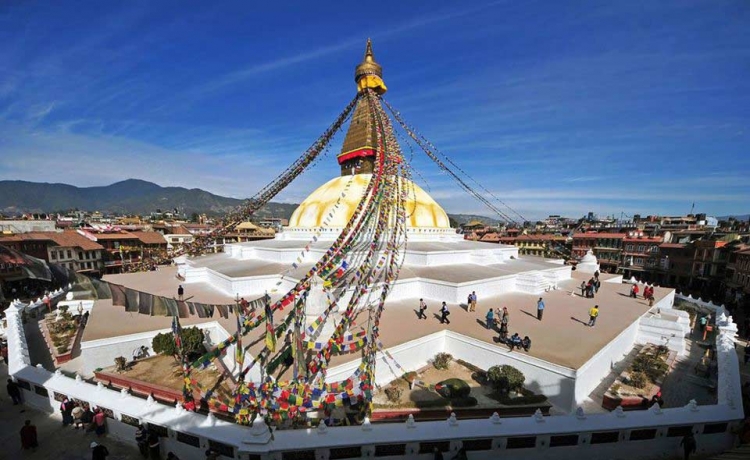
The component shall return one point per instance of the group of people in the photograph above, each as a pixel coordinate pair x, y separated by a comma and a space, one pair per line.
498, 318
648, 293
150, 446
590, 289
501, 319
82, 417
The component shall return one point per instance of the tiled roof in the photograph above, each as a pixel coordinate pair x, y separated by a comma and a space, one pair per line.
114, 236
150, 237
178, 230
543, 237
673, 245
655, 239
599, 235
66, 239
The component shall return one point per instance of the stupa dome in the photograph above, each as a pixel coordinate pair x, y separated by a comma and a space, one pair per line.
421, 210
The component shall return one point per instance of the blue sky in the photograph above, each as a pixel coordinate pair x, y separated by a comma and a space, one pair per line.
635, 107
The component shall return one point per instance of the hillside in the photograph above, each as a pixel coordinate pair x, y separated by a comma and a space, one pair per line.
131, 196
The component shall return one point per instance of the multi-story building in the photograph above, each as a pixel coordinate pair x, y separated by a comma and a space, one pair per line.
640, 256
675, 264
542, 245
607, 248
709, 265
741, 273
69, 249
248, 231
123, 248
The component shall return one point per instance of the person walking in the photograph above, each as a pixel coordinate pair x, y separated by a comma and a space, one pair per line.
593, 314
444, 312
98, 451
539, 309
422, 309
688, 445
14, 392
583, 289
634, 291
77, 413
28, 436
66, 408
597, 285
154, 450
490, 317
180, 292
141, 438
100, 422
473, 301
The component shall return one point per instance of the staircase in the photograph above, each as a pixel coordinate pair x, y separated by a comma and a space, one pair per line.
533, 282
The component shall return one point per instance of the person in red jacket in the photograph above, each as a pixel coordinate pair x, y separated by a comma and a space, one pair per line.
28, 436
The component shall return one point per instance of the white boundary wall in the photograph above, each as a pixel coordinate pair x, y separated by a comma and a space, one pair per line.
712, 425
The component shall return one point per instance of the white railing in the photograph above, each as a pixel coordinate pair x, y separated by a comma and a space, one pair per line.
640, 434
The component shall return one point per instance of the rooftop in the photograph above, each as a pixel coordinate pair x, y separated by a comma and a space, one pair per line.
66, 239
561, 338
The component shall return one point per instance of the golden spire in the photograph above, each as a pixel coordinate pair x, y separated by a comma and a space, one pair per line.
368, 73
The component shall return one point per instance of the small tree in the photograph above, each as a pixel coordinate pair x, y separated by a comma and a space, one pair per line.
164, 344
121, 364
506, 378
442, 360
192, 342
638, 379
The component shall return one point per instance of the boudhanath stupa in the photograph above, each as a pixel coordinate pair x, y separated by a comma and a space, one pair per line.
439, 264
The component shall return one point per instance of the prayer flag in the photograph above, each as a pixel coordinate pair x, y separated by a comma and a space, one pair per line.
177, 332
270, 336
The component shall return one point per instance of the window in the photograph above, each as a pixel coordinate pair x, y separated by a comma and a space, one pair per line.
641, 435
521, 442
80, 255
629, 247
563, 440
605, 437
70, 254
53, 255
641, 248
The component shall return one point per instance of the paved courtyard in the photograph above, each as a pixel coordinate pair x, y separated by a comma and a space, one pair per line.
55, 441
561, 338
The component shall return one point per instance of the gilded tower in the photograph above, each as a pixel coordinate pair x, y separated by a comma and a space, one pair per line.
358, 152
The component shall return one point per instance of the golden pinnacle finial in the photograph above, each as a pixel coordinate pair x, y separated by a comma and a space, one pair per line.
368, 66
369, 56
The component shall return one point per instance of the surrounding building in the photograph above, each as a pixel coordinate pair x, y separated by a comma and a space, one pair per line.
640, 255
69, 249
607, 248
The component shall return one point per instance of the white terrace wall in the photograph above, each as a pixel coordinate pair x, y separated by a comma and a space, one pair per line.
655, 433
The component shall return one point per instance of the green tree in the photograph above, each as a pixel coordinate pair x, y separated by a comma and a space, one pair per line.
192, 342
164, 344
506, 378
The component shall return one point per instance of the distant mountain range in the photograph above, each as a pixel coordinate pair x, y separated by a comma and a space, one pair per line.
131, 196
743, 217
135, 196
